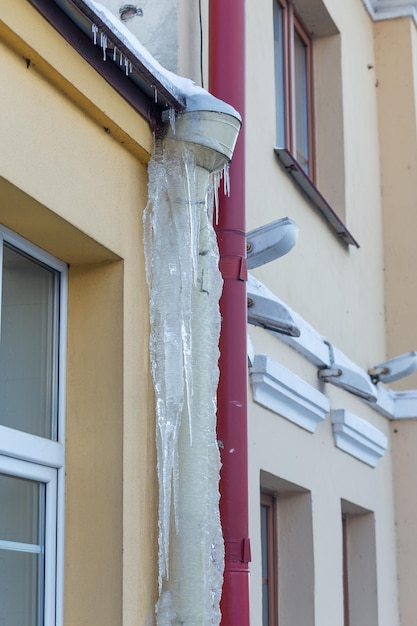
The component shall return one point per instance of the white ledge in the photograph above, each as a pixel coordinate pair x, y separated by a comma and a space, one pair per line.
389, 9
313, 347
310, 344
405, 404
284, 393
357, 437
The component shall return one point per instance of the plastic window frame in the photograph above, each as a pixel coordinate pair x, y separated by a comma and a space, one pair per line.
39, 459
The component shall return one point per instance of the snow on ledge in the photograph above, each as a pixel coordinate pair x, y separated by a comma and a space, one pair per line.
185, 90
357, 437
313, 347
310, 344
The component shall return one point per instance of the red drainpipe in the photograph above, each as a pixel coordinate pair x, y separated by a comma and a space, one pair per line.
227, 82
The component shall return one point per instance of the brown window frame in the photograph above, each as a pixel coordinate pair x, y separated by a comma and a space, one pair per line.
292, 25
269, 500
346, 616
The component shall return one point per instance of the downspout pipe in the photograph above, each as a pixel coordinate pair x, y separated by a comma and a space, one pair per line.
227, 82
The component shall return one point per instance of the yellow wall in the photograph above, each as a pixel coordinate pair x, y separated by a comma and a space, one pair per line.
395, 42
73, 180
396, 50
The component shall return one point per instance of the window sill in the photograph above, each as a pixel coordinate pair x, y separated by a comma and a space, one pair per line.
314, 196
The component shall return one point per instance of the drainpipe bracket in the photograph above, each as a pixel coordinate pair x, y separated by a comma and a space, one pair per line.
234, 267
237, 550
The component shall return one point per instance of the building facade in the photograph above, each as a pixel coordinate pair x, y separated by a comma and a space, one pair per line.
329, 140
340, 519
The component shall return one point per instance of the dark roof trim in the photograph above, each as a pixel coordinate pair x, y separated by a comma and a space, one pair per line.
74, 21
305, 185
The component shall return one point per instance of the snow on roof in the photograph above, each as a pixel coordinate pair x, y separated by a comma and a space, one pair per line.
183, 89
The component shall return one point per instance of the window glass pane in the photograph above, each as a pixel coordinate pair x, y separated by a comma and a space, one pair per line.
19, 597
301, 103
27, 345
19, 510
279, 74
22, 510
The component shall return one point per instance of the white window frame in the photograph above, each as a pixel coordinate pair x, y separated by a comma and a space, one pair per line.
39, 459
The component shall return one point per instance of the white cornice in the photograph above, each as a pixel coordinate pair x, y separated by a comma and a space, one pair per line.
357, 437
388, 9
284, 393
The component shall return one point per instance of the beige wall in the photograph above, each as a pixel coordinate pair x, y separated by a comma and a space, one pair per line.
395, 42
396, 51
73, 180
404, 439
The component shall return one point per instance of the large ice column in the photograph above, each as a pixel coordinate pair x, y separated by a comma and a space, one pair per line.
185, 287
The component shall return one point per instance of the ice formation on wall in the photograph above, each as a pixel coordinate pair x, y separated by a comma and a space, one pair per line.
185, 287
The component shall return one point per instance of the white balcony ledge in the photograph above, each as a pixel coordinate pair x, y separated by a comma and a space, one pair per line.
357, 437
284, 393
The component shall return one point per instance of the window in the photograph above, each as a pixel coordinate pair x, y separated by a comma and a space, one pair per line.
269, 557
32, 346
286, 554
360, 595
293, 86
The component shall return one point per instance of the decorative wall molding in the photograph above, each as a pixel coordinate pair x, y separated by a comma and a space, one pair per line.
286, 394
357, 437
388, 9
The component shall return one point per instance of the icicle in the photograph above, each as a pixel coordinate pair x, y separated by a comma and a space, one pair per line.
115, 54
103, 44
172, 118
94, 30
126, 63
226, 179
121, 59
155, 94
216, 178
